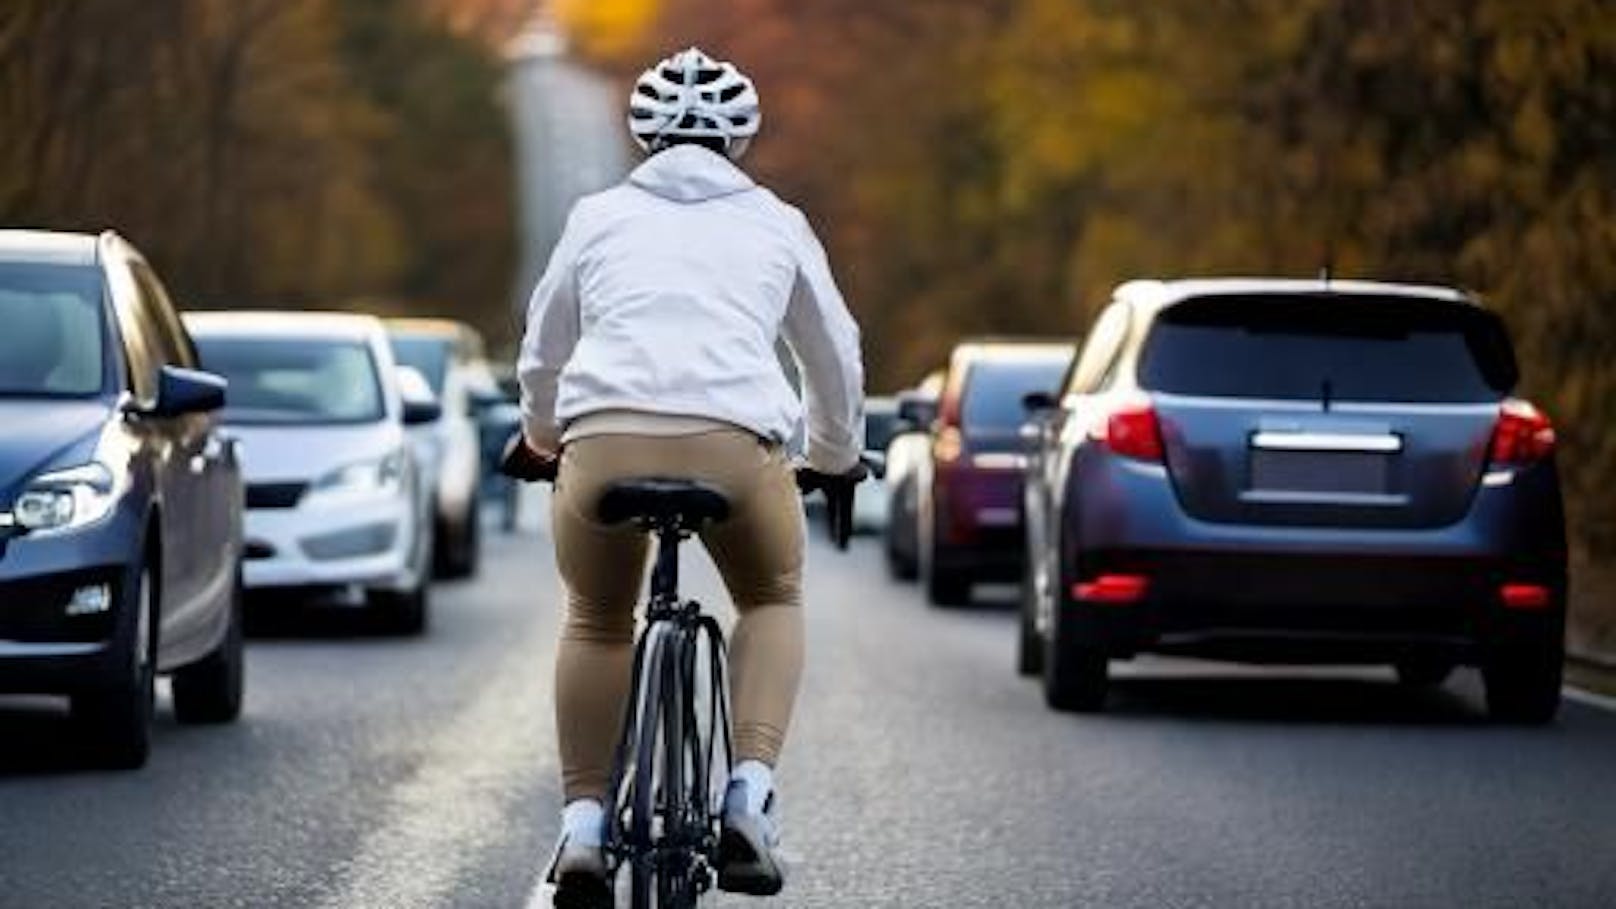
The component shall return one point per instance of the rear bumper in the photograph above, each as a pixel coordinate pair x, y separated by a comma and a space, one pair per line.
977, 521
1313, 609
1308, 594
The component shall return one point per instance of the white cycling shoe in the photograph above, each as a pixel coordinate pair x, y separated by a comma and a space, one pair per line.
748, 860
578, 866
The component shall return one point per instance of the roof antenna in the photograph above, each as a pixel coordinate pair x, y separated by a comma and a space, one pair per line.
1326, 270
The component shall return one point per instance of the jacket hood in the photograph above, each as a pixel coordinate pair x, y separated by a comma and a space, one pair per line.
690, 173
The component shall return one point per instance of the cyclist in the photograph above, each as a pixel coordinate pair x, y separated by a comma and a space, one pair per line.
650, 351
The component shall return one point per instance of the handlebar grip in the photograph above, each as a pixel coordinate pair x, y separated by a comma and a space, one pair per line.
839, 491
519, 462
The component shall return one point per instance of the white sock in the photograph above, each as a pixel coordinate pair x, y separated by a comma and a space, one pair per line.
584, 822
759, 780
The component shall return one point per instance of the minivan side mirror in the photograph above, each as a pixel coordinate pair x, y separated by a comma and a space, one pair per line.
420, 404
187, 391
1035, 401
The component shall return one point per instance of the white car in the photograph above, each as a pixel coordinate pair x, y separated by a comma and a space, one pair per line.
450, 355
335, 498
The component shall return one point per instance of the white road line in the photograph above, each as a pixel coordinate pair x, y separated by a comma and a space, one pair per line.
542, 894
1589, 698
454, 801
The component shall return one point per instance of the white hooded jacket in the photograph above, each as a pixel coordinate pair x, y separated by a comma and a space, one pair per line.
666, 294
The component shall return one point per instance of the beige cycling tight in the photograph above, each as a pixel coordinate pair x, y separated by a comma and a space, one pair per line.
758, 551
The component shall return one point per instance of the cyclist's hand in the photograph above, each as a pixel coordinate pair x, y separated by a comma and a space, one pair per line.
839, 491
521, 462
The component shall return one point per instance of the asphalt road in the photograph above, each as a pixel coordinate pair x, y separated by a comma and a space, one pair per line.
372, 771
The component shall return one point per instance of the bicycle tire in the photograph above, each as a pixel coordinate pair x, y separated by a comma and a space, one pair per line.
641, 826
674, 873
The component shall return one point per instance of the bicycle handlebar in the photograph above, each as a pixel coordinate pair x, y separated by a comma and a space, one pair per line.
519, 462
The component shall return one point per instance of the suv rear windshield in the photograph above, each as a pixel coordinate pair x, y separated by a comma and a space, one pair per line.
994, 389
295, 381
52, 343
1372, 349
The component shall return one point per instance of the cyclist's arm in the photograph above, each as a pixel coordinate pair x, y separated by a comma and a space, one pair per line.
551, 334
825, 340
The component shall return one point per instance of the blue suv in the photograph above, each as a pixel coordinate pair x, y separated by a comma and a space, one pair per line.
1296, 472
120, 502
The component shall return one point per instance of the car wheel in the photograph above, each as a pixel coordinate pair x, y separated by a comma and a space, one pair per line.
901, 563
117, 718
1423, 673
1523, 682
1076, 678
1029, 648
902, 567
459, 553
406, 611
210, 690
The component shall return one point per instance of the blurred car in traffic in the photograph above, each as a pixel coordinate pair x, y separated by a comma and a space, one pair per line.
909, 447
1297, 471
870, 498
497, 421
120, 544
968, 486
451, 357
335, 493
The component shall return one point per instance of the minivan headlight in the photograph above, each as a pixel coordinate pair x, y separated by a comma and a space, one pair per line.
374, 475
66, 499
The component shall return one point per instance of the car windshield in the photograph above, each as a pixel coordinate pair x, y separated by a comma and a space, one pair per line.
428, 354
1376, 350
51, 345
303, 381
994, 389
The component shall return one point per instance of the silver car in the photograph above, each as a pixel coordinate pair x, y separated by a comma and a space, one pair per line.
450, 355
335, 497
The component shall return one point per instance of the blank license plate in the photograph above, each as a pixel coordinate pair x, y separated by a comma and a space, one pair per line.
996, 517
1351, 472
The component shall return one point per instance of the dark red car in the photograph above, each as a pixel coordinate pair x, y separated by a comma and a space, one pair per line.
969, 515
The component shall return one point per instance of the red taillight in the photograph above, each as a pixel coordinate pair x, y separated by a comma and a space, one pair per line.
1133, 431
1113, 589
1526, 596
1523, 434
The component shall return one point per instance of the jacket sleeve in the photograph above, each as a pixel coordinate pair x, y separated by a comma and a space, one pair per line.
825, 341
547, 344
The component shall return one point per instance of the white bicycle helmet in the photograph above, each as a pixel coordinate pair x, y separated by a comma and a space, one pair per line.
692, 96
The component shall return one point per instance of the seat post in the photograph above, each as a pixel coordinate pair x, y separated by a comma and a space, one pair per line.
665, 571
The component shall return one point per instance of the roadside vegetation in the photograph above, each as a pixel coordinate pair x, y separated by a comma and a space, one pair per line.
267, 152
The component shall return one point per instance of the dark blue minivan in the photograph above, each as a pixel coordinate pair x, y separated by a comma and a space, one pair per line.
1296, 472
120, 502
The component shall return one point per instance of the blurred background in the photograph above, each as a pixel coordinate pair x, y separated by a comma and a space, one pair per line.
976, 166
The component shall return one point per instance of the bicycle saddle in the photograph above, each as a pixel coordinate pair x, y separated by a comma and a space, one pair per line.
662, 500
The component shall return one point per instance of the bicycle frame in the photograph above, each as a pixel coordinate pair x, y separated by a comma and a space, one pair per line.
666, 661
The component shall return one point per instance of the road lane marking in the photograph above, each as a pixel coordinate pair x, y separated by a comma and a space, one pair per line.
457, 799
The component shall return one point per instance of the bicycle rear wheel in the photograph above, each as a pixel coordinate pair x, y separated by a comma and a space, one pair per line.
662, 821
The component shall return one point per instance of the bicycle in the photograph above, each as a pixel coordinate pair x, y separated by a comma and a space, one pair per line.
664, 819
